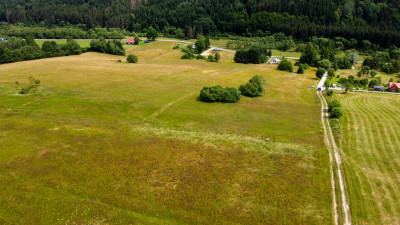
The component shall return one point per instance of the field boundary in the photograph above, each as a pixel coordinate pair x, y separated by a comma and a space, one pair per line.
334, 153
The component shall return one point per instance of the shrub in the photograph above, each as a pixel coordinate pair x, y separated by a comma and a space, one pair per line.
329, 92
217, 57
285, 65
188, 55
201, 57
320, 72
336, 112
253, 88
132, 58
220, 94
176, 47
333, 104
301, 69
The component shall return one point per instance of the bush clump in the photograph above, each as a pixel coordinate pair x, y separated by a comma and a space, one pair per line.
201, 57
329, 92
220, 94
335, 109
285, 65
253, 88
251, 56
132, 58
188, 53
113, 47
336, 112
334, 103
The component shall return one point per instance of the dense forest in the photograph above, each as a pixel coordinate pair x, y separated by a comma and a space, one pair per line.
374, 20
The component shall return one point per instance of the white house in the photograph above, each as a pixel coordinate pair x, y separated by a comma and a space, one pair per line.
274, 61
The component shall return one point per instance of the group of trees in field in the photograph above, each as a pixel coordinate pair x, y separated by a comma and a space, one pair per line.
250, 56
253, 88
113, 47
375, 21
335, 109
220, 94
285, 65
17, 49
388, 62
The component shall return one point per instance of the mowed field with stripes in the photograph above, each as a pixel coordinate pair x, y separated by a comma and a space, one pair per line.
370, 141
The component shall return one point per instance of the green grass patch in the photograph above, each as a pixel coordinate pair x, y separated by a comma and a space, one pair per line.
117, 143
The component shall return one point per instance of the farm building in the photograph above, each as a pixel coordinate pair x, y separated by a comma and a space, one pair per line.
394, 86
379, 88
130, 41
274, 61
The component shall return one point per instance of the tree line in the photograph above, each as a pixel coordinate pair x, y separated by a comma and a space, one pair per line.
17, 49
373, 20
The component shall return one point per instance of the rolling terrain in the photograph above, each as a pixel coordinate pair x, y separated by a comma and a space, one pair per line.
108, 142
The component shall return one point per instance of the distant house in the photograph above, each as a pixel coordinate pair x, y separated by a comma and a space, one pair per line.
274, 61
394, 86
130, 41
379, 88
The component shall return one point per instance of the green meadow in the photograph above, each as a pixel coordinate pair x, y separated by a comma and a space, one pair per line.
370, 143
107, 142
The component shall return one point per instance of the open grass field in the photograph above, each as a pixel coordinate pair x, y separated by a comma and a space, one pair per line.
104, 142
370, 143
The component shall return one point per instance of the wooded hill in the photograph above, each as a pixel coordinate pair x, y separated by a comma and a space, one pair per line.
374, 20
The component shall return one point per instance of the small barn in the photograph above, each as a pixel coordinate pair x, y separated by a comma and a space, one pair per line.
130, 41
379, 88
394, 86
274, 61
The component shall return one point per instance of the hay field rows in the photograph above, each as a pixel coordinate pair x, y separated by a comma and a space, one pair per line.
108, 142
370, 143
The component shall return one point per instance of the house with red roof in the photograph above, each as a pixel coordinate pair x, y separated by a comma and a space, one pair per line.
130, 41
394, 86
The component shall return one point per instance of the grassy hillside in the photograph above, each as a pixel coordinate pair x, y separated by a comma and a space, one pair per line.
114, 143
370, 143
